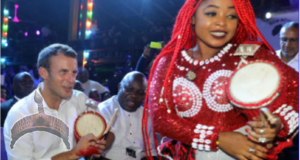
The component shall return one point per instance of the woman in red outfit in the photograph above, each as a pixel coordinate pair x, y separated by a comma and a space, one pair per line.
187, 98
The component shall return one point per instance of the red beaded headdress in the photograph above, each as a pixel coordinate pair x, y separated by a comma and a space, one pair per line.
181, 38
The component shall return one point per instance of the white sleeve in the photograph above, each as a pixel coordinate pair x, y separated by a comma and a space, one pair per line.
101, 88
22, 148
151, 138
107, 114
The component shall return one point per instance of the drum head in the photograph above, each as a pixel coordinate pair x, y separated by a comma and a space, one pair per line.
254, 84
90, 122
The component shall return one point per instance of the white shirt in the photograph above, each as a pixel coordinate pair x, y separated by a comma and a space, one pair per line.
294, 63
127, 128
38, 144
90, 84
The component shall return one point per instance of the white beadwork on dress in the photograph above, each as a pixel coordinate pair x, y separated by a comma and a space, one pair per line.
214, 91
187, 97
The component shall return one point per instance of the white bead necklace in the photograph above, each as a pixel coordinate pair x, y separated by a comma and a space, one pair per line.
191, 75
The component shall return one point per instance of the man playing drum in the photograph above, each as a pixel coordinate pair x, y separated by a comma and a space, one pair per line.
41, 125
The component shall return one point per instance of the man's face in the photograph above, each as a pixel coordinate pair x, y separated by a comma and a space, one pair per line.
24, 86
95, 95
289, 41
132, 93
83, 75
61, 76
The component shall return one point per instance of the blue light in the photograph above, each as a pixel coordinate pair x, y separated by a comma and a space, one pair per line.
88, 32
86, 54
3, 60
5, 12
4, 41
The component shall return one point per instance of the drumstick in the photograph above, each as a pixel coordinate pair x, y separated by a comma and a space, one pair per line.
271, 119
111, 121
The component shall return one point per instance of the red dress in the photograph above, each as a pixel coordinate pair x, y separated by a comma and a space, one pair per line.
200, 109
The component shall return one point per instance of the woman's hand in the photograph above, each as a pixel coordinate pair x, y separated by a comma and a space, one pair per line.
238, 146
264, 127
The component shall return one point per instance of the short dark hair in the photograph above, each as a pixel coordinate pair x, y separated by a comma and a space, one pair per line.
291, 25
53, 50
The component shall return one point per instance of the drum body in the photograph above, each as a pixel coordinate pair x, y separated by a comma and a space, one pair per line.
89, 122
254, 85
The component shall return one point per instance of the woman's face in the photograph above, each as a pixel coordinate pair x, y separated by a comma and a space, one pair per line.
215, 23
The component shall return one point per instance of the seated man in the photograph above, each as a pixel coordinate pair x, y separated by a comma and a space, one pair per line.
95, 95
78, 86
87, 84
127, 126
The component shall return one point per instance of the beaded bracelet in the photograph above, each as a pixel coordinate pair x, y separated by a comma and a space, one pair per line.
217, 142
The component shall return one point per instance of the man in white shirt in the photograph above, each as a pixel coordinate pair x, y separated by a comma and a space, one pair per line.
289, 42
88, 85
127, 126
41, 125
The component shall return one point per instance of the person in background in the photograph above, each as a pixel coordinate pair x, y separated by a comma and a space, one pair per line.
289, 44
3, 93
78, 86
46, 33
87, 84
22, 86
105, 96
36, 77
95, 95
145, 62
128, 143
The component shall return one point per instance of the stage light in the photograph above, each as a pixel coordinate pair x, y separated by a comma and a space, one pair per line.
268, 15
16, 19
90, 5
86, 54
5, 12
88, 32
4, 41
26, 34
4, 34
37, 32
5, 20
3, 60
5, 27
88, 24
90, 14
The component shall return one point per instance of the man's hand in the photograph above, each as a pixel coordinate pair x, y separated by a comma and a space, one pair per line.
89, 145
237, 145
146, 53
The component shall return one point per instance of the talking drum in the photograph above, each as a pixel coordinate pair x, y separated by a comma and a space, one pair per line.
254, 85
89, 122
